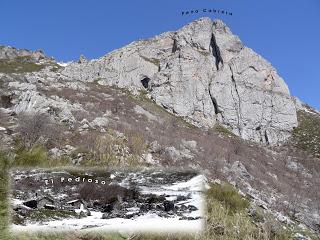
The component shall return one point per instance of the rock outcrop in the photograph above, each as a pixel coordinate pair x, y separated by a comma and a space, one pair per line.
11, 53
204, 73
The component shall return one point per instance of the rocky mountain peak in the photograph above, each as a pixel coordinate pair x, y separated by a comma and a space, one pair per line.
205, 74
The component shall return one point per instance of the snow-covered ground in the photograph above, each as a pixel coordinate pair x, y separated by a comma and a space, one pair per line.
64, 64
145, 223
149, 222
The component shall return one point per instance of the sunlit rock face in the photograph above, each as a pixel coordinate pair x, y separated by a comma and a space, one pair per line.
204, 73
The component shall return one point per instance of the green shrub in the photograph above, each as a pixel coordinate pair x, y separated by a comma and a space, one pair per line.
227, 195
37, 156
136, 143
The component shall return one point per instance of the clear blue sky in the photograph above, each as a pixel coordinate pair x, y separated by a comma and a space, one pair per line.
287, 33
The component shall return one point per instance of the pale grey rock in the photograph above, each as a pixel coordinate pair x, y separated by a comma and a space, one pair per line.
148, 158
142, 111
178, 154
239, 170
22, 86
293, 165
299, 236
120, 135
155, 147
100, 122
173, 153
56, 152
75, 86
298, 103
205, 74
11, 53
82, 59
65, 151
85, 125
191, 145
33, 101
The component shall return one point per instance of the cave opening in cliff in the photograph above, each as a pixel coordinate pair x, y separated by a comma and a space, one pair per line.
145, 82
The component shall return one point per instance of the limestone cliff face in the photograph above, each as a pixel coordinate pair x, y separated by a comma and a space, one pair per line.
204, 73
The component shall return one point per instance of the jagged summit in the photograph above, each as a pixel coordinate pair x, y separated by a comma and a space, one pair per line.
204, 73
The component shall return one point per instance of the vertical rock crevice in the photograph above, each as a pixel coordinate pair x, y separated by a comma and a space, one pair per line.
266, 137
237, 100
214, 102
174, 46
215, 51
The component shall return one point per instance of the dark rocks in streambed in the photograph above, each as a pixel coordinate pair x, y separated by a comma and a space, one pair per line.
168, 206
22, 210
192, 208
31, 204
144, 207
151, 198
84, 214
189, 218
160, 207
107, 208
119, 214
182, 198
183, 207
150, 204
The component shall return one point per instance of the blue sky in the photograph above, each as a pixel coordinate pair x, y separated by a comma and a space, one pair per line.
287, 33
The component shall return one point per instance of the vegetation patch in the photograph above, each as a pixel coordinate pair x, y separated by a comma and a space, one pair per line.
152, 60
45, 215
4, 182
55, 68
218, 128
227, 195
37, 156
19, 66
307, 135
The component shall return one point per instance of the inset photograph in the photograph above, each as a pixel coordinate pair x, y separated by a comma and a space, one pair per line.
68, 200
